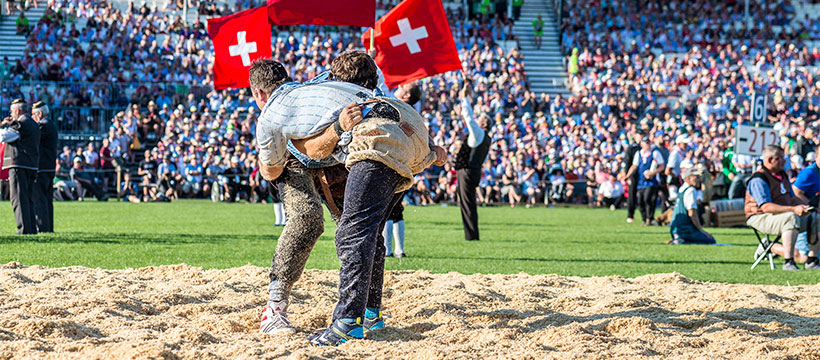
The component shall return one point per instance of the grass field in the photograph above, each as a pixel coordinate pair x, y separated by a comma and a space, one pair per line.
566, 241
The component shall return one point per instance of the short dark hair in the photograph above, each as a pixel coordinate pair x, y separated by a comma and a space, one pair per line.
415, 94
267, 75
355, 67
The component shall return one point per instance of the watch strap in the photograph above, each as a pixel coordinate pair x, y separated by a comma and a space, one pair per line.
337, 127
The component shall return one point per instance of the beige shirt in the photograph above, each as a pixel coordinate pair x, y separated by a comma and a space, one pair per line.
401, 146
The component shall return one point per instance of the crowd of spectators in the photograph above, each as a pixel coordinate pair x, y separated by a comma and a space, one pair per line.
662, 69
181, 142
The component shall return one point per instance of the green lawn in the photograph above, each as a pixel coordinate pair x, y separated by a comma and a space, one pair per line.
566, 241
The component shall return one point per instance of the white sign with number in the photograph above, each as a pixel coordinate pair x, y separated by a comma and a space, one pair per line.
751, 139
758, 108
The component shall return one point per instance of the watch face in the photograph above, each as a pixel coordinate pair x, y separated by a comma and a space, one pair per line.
346, 138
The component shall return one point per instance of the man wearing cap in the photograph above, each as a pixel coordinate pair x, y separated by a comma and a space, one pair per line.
22, 138
43, 183
686, 227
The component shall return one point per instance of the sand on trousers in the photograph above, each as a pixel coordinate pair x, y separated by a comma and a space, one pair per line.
183, 312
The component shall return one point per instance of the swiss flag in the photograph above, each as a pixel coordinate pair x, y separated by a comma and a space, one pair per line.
322, 12
239, 39
413, 41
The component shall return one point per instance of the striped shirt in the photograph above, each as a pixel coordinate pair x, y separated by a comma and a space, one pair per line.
338, 155
299, 111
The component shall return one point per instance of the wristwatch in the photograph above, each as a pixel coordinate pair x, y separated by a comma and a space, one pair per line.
337, 127
345, 138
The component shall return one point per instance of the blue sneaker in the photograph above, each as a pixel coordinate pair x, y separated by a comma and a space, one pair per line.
339, 333
373, 319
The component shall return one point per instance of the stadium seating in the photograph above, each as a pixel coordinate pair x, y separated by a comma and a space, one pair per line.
696, 79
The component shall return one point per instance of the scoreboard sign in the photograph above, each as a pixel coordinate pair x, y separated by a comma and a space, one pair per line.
758, 113
751, 139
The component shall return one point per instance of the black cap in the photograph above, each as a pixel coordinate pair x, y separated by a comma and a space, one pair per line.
38, 105
18, 101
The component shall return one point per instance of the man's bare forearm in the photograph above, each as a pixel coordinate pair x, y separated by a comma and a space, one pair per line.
773, 208
271, 172
319, 146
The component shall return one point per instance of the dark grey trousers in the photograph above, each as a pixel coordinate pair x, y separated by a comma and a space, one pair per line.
468, 180
43, 206
21, 186
370, 194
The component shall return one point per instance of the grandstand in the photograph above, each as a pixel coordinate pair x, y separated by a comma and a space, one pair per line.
562, 114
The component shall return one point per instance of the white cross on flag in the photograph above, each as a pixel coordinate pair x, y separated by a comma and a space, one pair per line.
238, 39
243, 49
408, 35
413, 41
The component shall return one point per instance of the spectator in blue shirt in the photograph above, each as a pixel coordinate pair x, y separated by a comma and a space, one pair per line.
807, 185
193, 178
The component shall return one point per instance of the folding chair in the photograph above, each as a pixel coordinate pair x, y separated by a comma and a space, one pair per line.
767, 249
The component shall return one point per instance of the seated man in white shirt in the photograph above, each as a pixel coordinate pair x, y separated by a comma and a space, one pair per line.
686, 227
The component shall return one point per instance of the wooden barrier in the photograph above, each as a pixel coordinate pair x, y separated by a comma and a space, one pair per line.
727, 213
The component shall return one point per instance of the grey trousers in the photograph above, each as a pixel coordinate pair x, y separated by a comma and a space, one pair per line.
305, 223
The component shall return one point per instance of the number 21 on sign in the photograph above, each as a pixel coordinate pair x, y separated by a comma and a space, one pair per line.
765, 137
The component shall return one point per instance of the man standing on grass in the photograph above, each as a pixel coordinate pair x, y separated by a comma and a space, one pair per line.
21, 158
469, 160
632, 180
43, 183
382, 155
648, 163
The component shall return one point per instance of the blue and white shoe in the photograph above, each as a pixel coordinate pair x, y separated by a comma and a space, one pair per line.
339, 333
373, 319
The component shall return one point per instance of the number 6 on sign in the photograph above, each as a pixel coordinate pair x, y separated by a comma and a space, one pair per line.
752, 139
758, 108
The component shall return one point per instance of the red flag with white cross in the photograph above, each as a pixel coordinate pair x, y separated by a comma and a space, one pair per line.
413, 41
238, 39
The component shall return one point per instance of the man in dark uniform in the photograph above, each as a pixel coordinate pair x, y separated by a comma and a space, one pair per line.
470, 158
22, 138
632, 201
43, 188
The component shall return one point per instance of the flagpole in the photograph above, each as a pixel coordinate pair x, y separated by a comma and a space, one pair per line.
372, 39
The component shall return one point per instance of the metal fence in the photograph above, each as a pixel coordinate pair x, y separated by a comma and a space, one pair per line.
78, 122
105, 93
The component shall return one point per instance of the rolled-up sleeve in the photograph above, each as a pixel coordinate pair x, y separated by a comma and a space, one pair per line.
759, 190
272, 145
9, 135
